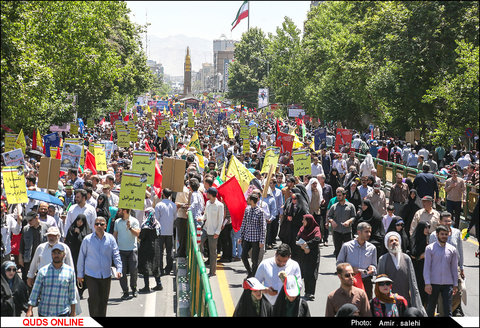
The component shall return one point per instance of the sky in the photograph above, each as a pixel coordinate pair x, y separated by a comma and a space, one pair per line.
211, 19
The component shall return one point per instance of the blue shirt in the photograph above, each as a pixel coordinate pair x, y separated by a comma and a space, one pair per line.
166, 213
440, 266
358, 256
54, 290
126, 240
272, 206
278, 200
96, 255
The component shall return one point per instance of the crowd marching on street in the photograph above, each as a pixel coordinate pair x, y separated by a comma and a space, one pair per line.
253, 182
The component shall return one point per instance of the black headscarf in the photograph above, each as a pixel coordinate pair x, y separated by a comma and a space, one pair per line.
409, 208
103, 209
372, 217
334, 180
74, 239
418, 240
300, 306
245, 307
347, 310
14, 293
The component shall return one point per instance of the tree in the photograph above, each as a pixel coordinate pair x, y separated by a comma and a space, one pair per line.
249, 70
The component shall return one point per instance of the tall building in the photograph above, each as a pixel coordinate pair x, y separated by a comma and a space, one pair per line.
187, 75
223, 51
206, 75
156, 68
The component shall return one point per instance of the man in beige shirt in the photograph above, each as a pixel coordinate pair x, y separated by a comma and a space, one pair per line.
378, 200
398, 193
181, 222
455, 188
426, 214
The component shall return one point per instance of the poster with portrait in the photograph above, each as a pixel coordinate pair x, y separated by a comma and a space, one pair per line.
71, 155
14, 158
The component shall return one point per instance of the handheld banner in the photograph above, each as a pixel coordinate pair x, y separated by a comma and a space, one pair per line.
272, 156
15, 186
132, 191
302, 163
144, 162
71, 154
14, 158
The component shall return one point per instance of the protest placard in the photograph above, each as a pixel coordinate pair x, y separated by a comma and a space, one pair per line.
144, 162
302, 162
230, 132
14, 158
14, 184
173, 173
71, 154
10, 139
49, 173
100, 157
271, 158
246, 145
132, 191
123, 136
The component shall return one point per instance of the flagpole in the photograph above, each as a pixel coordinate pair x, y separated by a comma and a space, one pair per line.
248, 24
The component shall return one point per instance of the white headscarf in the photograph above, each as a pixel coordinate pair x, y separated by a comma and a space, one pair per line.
309, 189
395, 257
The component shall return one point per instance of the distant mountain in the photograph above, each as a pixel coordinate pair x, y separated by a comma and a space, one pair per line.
171, 51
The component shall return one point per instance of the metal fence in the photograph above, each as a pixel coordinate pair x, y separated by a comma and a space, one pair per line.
201, 299
387, 171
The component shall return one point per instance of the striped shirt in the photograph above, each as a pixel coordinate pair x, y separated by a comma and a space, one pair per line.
54, 290
254, 225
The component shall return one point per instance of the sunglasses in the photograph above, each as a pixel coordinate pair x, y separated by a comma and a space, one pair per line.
99, 224
385, 283
400, 225
11, 270
347, 275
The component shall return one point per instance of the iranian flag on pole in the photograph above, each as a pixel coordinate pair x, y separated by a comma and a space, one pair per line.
241, 14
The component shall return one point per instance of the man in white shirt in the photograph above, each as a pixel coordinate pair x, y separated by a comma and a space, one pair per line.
166, 213
317, 167
112, 198
269, 269
213, 220
81, 207
11, 225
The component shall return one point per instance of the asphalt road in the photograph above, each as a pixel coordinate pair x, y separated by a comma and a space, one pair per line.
227, 284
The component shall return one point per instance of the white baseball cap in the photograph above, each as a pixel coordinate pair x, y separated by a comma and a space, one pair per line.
253, 284
291, 287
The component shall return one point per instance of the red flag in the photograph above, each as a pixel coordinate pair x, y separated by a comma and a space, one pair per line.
126, 118
90, 162
111, 136
171, 112
102, 121
232, 194
6, 128
157, 184
285, 142
59, 156
34, 140
358, 282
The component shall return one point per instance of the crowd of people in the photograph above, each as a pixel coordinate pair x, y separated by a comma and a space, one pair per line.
400, 243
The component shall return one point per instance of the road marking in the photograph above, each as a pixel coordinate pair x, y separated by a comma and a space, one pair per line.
150, 303
225, 291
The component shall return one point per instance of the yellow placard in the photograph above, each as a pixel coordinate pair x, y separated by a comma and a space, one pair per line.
302, 163
191, 123
230, 132
100, 157
15, 186
246, 146
10, 139
271, 158
254, 131
244, 132
132, 191
73, 128
161, 131
75, 141
166, 124
133, 135
144, 162
123, 137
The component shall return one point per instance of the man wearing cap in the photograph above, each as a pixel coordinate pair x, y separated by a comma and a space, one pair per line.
378, 200
213, 220
43, 254
33, 235
54, 288
398, 266
253, 303
426, 214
